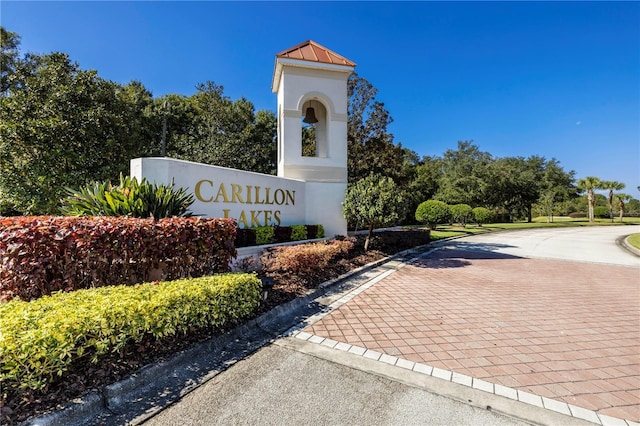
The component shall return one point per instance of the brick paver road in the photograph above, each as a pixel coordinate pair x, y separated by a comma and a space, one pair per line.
561, 329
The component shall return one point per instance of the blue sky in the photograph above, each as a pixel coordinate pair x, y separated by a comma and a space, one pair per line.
556, 79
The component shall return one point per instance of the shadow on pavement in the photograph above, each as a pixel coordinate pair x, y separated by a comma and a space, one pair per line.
460, 254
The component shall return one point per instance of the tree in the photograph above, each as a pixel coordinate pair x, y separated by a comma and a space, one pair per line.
557, 186
210, 128
370, 145
374, 201
61, 126
463, 178
433, 212
423, 183
481, 215
619, 202
612, 186
461, 213
9, 52
514, 184
590, 184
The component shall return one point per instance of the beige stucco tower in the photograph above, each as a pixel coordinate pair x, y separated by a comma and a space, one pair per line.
310, 76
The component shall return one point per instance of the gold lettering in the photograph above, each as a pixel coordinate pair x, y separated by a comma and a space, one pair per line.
199, 193
222, 191
255, 220
243, 219
236, 193
267, 217
278, 197
268, 192
258, 201
291, 195
249, 194
276, 216
226, 213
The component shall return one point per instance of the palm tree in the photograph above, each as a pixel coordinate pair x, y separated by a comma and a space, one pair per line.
612, 185
621, 198
590, 184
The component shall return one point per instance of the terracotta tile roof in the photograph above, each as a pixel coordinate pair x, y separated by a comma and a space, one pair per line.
312, 51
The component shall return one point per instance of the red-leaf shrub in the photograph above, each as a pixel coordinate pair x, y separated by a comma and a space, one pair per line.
304, 258
282, 234
245, 237
40, 255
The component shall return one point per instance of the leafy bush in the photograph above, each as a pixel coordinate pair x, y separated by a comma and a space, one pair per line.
298, 232
481, 215
433, 212
576, 215
277, 234
128, 198
374, 201
265, 235
40, 339
304, 258
40, 255
461, 213
245, 237
282, 234
601, 212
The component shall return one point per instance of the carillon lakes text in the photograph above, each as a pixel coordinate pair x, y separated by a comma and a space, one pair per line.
208, 192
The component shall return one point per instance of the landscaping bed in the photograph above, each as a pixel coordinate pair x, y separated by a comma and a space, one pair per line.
83, 376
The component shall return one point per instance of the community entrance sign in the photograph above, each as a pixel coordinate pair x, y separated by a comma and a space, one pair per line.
311, 83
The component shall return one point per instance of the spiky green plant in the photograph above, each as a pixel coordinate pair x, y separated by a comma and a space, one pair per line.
128, 198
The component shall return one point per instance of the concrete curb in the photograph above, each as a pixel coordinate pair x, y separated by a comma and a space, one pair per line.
108, 402
629, 247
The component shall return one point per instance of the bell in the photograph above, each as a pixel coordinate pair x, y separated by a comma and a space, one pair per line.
310, 116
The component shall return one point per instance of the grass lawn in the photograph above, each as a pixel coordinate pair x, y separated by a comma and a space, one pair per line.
446, 231
634, 240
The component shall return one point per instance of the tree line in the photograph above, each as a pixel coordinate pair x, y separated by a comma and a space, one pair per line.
65, 127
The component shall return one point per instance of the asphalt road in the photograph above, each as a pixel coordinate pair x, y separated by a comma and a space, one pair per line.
299, 383
281, 386
598, 244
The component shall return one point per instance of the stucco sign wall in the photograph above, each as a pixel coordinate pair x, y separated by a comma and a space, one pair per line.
253, 199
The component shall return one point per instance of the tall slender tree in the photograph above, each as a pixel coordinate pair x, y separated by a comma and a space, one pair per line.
589, 185
371, 148
612, 186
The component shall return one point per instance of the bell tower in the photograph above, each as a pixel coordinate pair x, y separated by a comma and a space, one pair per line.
311, 83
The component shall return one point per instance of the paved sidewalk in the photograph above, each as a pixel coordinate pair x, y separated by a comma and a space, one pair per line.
567, 331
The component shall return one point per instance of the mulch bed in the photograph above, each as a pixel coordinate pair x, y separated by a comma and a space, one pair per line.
84, 376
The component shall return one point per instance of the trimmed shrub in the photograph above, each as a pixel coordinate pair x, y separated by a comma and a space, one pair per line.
245, 237
304, 259
433, 212
298, 232
40, 255
265, 235
481, 215
128, 198
40, 339
577, 215
282, 234
320, 233
312, 231
461, 213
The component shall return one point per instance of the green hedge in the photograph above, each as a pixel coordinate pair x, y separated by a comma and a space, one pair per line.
261, 235
41, 338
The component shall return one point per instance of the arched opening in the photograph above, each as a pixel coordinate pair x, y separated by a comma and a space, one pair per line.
314, 129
